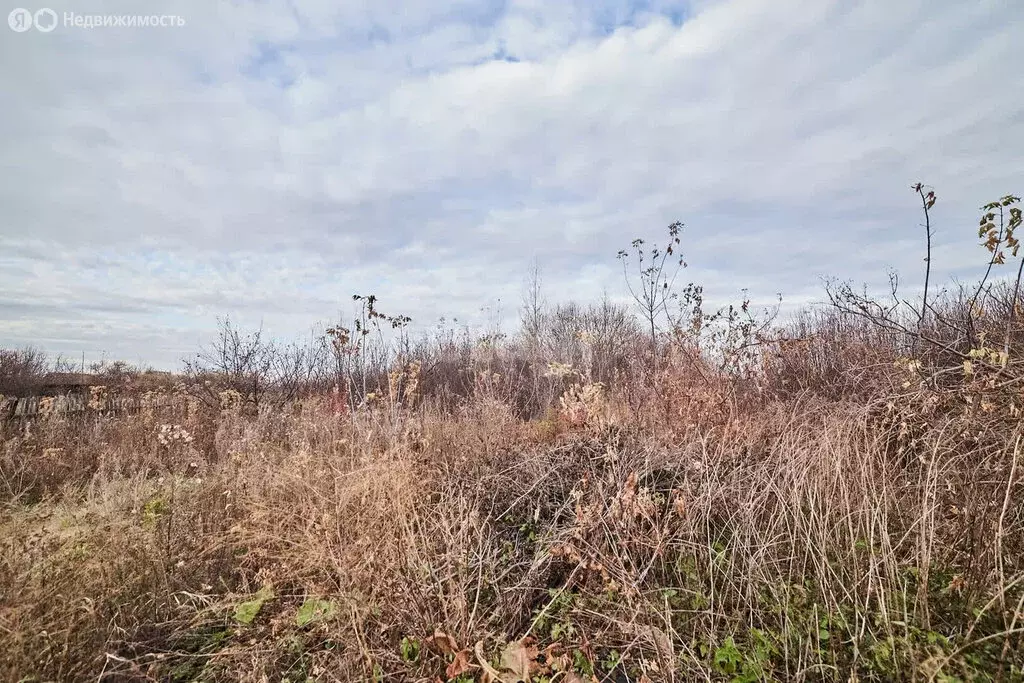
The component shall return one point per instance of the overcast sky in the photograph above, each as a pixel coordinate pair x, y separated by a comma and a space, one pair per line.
269, 159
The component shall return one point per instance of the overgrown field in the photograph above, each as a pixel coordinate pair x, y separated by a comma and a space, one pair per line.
838, 498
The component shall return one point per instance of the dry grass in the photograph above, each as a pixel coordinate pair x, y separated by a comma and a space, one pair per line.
674, 527
832, 501
839, 500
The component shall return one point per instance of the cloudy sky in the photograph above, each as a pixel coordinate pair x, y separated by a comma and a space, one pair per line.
269, 159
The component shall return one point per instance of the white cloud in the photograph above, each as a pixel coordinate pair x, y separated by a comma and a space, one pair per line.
267, 161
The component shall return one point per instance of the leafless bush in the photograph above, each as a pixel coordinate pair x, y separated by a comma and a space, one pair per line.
259, 369
21, 370
825, 352
237, 360
596, 339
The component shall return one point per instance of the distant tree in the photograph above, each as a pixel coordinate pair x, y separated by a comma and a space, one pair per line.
651, 285
533, 307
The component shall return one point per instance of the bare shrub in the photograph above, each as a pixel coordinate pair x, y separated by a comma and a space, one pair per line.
21, 371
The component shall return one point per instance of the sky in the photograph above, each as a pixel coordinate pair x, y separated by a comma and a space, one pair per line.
266, 160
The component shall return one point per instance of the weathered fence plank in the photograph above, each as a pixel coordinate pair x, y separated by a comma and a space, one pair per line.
33, 406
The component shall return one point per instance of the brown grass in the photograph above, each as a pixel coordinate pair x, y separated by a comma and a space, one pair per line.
835, 499
817, 521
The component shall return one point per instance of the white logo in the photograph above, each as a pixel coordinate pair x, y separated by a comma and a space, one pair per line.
19, 20
45, 19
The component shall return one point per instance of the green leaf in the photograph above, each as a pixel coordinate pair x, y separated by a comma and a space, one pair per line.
727, 657
246, 611
410, 649
314, 609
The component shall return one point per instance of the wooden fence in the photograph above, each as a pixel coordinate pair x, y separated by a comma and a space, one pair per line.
68, 404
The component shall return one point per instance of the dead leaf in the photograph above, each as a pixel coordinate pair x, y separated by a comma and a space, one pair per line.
662, 643
520, 657
442, 642
460, 665
556, 658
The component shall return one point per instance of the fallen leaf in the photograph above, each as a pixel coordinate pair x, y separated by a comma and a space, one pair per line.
556, 658
662, 643
442, 642
520, 658
459, 665
314, 609
245, 612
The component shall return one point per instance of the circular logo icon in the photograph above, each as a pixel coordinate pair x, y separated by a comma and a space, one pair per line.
45, 20
19, 20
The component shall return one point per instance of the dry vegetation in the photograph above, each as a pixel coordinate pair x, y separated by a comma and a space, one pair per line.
729, 498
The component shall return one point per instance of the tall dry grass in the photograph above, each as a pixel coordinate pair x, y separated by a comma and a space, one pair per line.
820, 520
835, 498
